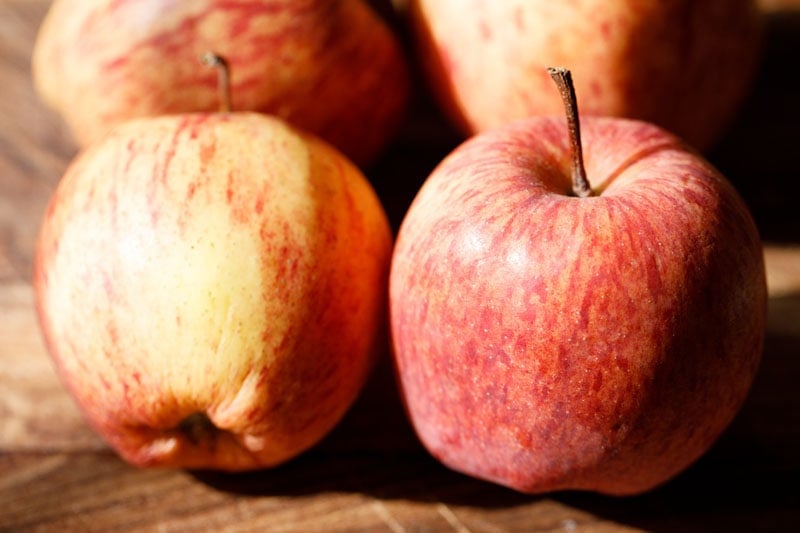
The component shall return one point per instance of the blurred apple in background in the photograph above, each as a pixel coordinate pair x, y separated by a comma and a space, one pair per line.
212, 288
333, 68
548, 341
770, 6
682, 64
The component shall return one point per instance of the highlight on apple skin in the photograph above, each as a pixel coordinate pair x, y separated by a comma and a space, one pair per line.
332, 68
549, 342
211, 287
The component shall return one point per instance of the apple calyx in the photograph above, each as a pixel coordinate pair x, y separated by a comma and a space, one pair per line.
563, 79
212, 59
197, 427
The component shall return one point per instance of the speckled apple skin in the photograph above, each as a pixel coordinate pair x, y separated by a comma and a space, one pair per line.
686, 65
332, 68
221, 264
549, 342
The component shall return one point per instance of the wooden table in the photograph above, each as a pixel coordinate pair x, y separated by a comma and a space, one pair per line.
371, 474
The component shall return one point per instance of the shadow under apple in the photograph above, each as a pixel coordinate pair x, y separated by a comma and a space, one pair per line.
373, 451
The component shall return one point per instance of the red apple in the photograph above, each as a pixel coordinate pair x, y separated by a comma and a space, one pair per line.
685, 65
547, 341
211, 287
332, 68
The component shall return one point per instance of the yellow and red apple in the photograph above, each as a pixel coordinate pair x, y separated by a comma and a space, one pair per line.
211, 287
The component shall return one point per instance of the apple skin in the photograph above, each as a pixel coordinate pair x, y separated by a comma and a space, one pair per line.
334, 69
212, 288
682, 64
547, 342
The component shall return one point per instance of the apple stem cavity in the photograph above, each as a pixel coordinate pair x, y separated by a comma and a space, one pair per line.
563, 79
212, 59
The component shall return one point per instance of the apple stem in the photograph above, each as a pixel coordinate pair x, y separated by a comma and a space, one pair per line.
212, 59
563, 79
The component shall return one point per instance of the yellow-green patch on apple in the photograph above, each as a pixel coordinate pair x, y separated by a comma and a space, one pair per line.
212, 288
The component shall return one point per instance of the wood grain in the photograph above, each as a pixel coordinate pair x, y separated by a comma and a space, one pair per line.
371, 474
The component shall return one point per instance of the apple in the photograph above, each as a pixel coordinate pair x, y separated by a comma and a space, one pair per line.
682, 64
575, 319
212, 288
334, 69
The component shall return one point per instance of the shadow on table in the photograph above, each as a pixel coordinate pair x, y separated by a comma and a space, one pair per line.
373, 451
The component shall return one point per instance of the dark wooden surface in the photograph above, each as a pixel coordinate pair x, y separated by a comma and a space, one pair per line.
370, 474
